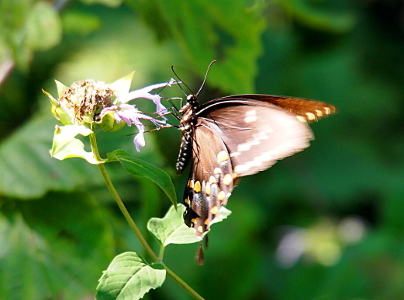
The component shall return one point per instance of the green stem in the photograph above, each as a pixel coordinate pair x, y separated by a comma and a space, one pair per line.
132, 224
126, 214
118, 199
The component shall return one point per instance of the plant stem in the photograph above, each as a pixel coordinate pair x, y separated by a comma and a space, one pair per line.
119, 201
132, 224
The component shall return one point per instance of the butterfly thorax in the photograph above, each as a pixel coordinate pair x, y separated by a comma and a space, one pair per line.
187, 125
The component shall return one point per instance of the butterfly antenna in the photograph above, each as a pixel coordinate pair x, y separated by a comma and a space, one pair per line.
178, 82
206, 75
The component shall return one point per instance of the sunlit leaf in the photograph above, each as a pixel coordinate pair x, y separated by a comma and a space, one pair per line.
65, 145
171, 229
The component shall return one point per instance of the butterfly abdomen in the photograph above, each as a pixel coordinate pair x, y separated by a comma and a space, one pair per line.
187, 127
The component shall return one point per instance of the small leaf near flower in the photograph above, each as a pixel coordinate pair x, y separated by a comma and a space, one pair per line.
65, 145
122, 87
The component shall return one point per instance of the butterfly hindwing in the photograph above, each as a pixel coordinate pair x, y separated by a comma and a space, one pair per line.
211, 178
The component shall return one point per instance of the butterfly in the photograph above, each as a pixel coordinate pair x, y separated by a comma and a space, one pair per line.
235, 136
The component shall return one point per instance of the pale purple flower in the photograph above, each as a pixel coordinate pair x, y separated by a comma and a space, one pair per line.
131, 115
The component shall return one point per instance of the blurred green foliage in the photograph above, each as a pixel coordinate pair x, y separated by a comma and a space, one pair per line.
58, 225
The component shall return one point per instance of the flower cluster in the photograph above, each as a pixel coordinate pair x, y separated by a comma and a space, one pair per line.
88, 103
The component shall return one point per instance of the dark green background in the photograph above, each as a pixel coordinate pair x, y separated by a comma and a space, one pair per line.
59, 227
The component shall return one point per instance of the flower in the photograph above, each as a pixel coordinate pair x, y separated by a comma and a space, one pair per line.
88, 103
131, 115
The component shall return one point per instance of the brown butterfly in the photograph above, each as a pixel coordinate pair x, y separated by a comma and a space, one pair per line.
235, 136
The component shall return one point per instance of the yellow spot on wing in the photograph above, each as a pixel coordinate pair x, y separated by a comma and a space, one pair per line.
217, 171
206, 221
221, 195
222, 156
197, 187
214, 210
301, 119
310, 116
187, 201
200, 229
227, 179
212, 179
207, 189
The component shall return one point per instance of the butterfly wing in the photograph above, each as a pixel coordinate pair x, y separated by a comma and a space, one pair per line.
303, 109
257, 133
210, 181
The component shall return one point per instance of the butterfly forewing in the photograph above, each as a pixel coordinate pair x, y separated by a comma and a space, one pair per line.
211, 179
260, 135
303, 109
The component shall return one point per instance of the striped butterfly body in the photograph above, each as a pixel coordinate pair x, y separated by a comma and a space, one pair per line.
235, 136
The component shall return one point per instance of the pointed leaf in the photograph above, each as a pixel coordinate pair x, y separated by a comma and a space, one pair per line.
61, 88
59, 110
122, 86
128, 277
139, 167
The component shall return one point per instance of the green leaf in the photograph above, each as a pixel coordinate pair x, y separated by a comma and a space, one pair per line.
44, 29
65, 145
171, 228
128, 277
205, 32
28, 171
139, 167
122, 86
59, 109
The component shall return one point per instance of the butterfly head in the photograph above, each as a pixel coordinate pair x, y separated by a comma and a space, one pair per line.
192, 100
